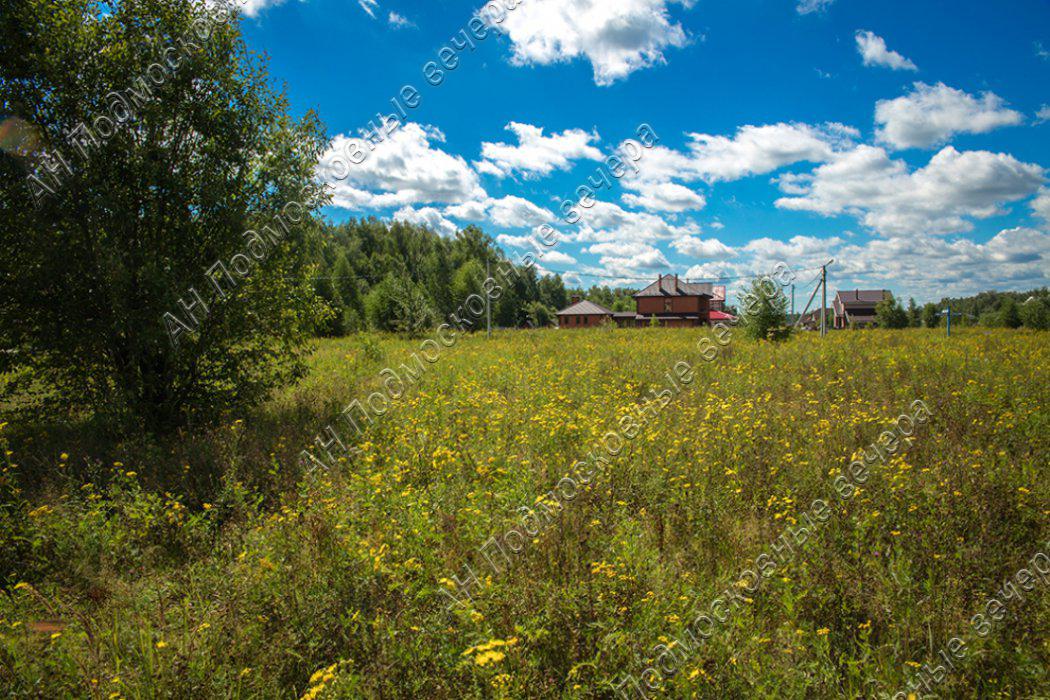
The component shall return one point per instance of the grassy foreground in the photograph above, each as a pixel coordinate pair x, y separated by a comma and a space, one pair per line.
212, 567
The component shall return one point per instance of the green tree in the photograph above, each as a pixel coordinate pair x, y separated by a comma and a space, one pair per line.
1035, 314
931, 316
1009, 316
399, 305
890, 314
914, 313
468, 279
764, 311
540, 316
202, 152
552, 292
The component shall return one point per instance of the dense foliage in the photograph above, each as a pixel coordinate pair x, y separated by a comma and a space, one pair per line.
1001, 309
763, 313
96, 253
890, 314
398, 276
265, 585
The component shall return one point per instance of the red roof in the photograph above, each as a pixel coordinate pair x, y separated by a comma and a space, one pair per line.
719, 316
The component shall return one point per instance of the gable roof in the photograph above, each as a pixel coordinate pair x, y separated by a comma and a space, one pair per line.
860, 297
814, 315
585, 308
671, 286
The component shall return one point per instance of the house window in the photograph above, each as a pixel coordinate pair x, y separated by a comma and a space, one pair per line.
667, 304
579, 320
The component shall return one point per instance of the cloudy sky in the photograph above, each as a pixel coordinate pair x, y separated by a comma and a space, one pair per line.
909, 141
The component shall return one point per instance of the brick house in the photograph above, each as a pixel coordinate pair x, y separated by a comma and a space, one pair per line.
672, 302
857, 307
583, 314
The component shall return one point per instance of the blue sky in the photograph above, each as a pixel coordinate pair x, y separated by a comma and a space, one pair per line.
909, 141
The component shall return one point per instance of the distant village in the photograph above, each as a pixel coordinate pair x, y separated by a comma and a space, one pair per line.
675, 303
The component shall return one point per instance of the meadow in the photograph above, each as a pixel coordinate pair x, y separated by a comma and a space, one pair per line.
211, 565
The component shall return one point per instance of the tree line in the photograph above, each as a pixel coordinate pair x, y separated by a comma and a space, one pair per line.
990, 309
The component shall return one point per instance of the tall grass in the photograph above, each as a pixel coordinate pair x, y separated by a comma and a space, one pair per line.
211, 566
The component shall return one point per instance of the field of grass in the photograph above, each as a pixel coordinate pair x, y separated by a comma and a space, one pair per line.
212, 566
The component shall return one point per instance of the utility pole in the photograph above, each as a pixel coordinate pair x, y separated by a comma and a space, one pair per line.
823, 299
488, 302
949, 319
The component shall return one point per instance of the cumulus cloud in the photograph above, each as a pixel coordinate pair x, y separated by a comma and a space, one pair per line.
663, 196
607, 222
753, 150
617, 37
932, 268
403, 169
931, 114
556, 257
429, 217
1041, 205
939, 198
873, 50
1043, 115
509, 211
796, 248
535, 154
703, 248
630, 260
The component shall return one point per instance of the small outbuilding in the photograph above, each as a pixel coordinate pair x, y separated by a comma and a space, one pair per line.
583, 314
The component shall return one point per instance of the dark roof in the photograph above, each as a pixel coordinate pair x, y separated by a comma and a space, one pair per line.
814, 315
860, 297
671, 286
585, 308
623, 314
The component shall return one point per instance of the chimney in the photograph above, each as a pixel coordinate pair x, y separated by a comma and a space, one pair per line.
676, 282
575, 298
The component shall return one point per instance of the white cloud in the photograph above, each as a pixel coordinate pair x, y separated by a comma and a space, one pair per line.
403, 169
663, 196
754, 150
369, 6
509, 211
875, 53
516, 212
930, 114
399, 21
795, 249
536, 154
556, 257
618, 37
704, 248
427, 216
1041, 52
605, 222
250, 8
1041, 205
931, 268
936, 199
1043, 115
629, 259
806, 7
